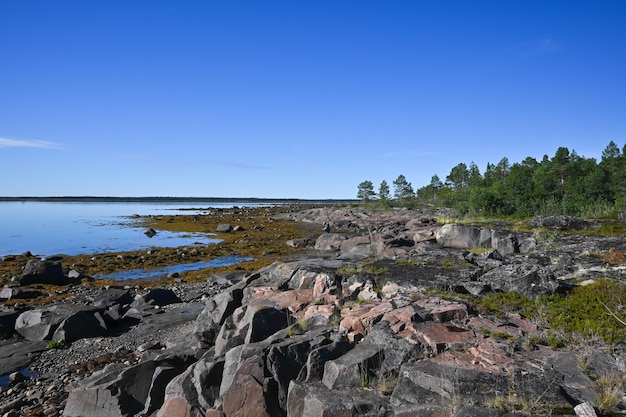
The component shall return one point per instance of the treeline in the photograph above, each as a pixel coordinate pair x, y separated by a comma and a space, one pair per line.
564, 184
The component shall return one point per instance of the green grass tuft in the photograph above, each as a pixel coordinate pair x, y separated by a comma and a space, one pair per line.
55, 344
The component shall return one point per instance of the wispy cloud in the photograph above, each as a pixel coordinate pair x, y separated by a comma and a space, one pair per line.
21, 143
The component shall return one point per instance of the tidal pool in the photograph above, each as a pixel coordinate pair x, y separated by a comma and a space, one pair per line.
153, 273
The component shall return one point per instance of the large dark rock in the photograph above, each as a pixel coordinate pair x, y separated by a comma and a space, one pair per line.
39, 271
197, 387
429, 382
7, 322
159, 297
426, 382
84, 324
229, 335
14, 356
66, 322
299, 274
528, 280
329, 241
396, 350
233, 360
355, 367
573, 381
112, 296
313, 369
261, 320
360, 247
119, 391
16, 293
316, 400
246, 396
285, 360
243, 386
224, 228
460, 236
217, 309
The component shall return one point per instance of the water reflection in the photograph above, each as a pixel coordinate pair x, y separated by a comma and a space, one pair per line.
73, 228
153, 273
5, 380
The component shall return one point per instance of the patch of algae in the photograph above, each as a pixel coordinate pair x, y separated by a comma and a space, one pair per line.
262, 236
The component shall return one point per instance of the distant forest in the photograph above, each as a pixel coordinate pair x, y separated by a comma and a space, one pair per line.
564, 184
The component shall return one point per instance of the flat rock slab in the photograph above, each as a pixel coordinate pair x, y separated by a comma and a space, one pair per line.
439, 336
175, 317
15, 356
355, 365
313, 400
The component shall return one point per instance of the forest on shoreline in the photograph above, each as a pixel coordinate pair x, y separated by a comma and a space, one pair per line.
566, 183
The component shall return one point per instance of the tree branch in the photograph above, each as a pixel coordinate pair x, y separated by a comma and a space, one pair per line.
612, 313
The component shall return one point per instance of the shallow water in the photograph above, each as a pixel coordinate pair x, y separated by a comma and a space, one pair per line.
27, 372
153, 273
73, 228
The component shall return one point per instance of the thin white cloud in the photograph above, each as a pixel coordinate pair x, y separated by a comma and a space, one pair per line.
20, 143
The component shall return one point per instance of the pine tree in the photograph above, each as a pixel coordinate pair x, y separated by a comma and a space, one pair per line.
402, 188
366, 191
383, 191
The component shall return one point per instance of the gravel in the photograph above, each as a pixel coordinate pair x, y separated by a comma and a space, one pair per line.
43, 391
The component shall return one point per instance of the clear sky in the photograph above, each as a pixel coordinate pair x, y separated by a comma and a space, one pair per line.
297, 99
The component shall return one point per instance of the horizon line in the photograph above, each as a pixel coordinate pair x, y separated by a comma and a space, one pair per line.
85, 197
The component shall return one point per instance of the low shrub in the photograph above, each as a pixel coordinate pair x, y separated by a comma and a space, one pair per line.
590, 311
498, 303
300, 327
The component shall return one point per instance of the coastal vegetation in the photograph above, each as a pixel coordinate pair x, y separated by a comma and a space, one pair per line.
592, 312
566, 183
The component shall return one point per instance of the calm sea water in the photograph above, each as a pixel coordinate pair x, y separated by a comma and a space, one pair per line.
72, 228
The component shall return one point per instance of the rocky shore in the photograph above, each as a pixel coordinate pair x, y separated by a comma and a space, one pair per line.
345, 312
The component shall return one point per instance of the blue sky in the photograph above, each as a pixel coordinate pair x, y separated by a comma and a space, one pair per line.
297, 99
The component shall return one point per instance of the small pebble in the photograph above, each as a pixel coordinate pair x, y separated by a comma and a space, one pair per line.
50, 411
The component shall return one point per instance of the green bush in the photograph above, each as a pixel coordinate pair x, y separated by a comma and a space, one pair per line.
498, 303
590, 311
587, 311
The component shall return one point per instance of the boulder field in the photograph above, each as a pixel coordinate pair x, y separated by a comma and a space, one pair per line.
363, 322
